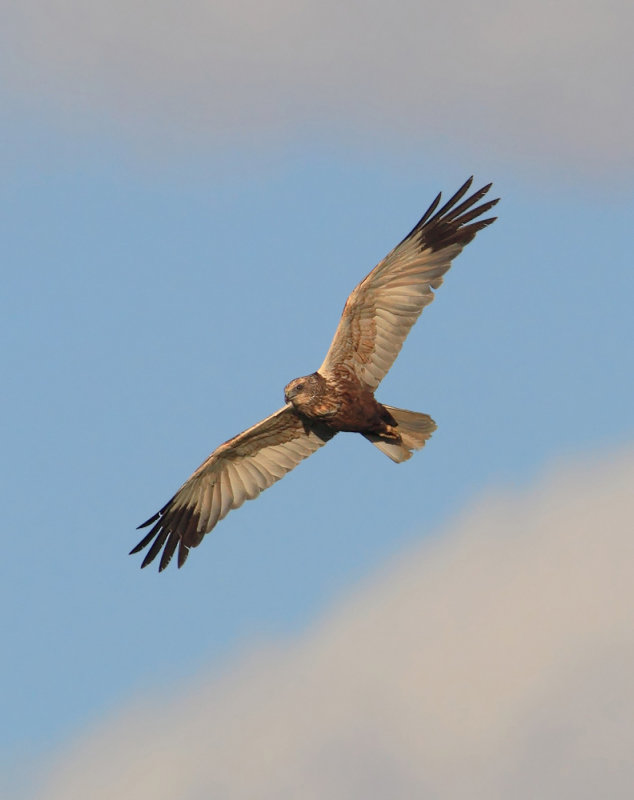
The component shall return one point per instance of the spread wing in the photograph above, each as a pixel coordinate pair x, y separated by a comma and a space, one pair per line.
236, 471
381, 310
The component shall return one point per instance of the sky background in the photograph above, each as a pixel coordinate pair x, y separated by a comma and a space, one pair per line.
189, 193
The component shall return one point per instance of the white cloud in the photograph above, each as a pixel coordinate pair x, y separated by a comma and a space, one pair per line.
496, 661
535, 81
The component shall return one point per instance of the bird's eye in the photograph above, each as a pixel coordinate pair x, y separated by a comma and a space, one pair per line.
300, 387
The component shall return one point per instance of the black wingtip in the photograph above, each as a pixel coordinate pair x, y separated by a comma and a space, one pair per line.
183, 552
156, 516
458, 220
143, 543
170, 526
453, 208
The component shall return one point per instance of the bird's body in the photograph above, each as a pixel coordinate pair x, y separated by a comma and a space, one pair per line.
341, 401
339, 396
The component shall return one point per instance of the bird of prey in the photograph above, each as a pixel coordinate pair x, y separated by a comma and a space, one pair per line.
339, 396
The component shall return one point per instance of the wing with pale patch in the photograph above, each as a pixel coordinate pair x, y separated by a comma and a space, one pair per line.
236, 471
380, 312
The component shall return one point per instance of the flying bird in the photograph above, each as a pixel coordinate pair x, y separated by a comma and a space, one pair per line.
339, 396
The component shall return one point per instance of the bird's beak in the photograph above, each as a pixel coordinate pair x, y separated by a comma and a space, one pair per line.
289, 393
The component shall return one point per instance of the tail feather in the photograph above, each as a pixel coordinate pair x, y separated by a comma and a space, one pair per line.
414, 430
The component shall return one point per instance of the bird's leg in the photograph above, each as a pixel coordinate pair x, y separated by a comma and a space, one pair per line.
391, 432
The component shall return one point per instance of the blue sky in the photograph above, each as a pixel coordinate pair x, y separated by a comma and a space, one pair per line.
161, 288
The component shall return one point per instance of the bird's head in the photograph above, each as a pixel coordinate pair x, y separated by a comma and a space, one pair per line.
302, 390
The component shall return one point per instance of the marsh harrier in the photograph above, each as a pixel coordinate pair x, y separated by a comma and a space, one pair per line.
339, 396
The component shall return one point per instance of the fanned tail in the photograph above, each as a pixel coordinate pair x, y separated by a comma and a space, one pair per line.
413, 428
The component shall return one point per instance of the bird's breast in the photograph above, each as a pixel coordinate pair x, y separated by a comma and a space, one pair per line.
347, 405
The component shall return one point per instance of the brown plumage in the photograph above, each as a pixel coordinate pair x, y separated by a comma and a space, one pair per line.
339, 396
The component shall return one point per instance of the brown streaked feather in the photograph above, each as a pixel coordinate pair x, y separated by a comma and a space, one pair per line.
381, 310
236, 471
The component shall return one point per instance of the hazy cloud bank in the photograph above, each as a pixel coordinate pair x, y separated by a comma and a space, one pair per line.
540, 81
494, 662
